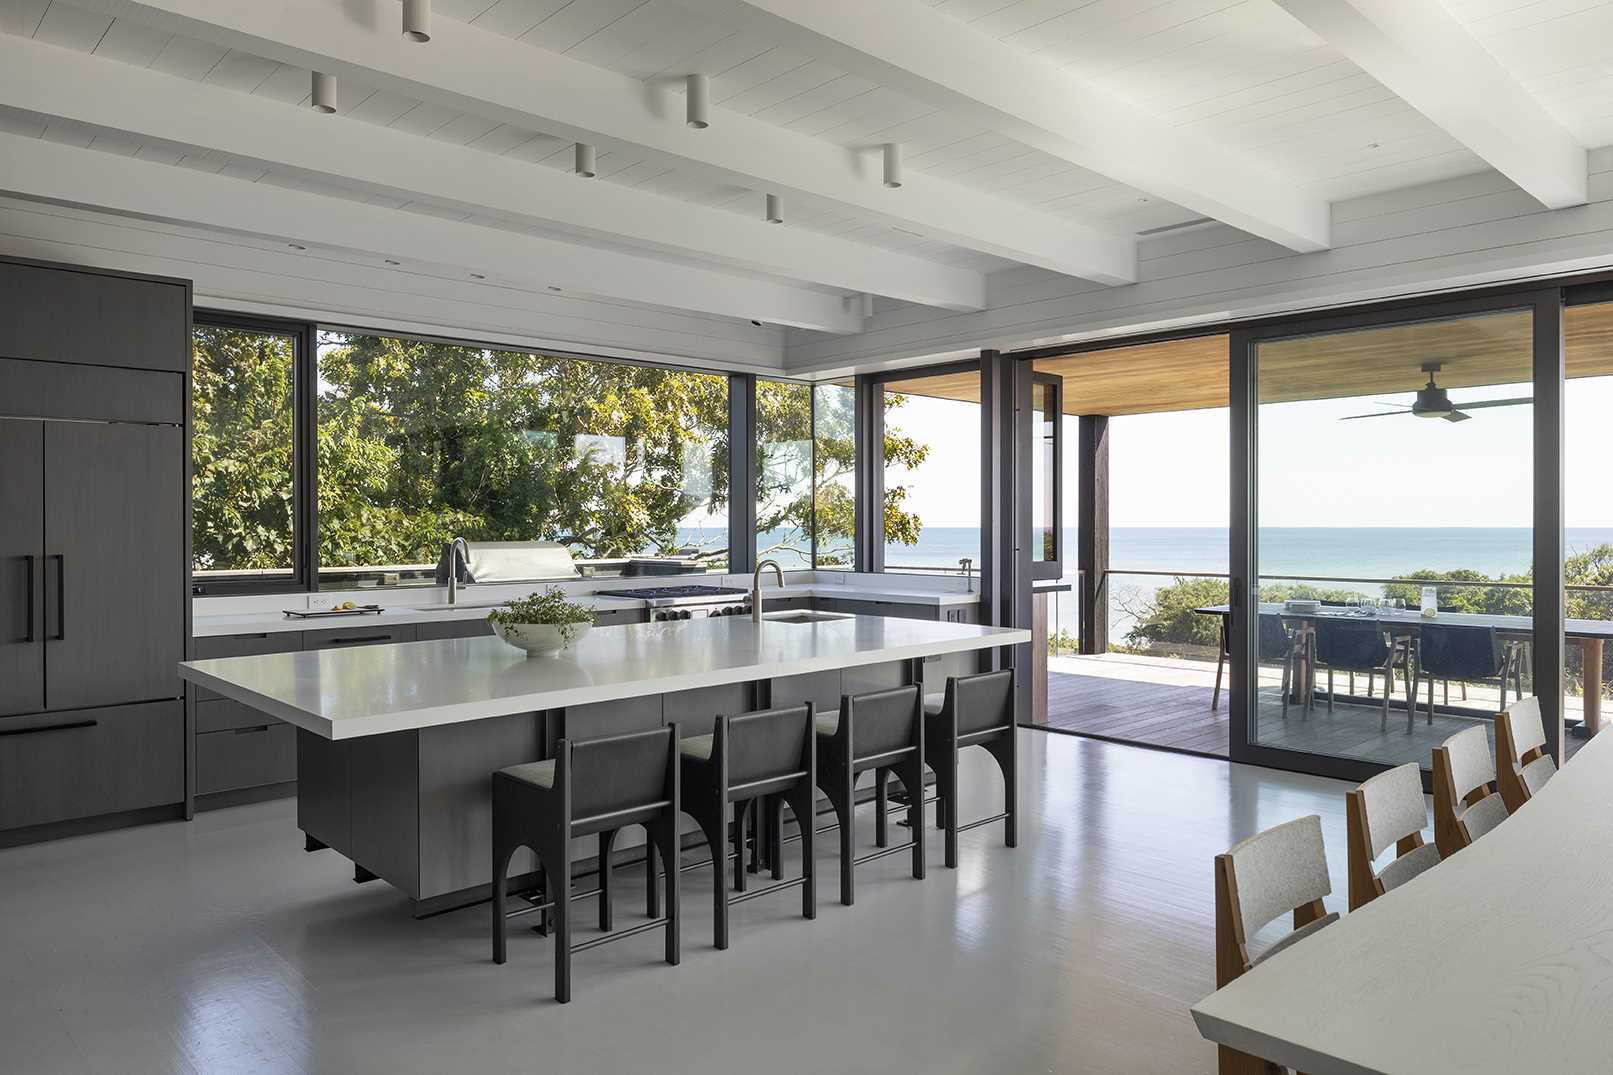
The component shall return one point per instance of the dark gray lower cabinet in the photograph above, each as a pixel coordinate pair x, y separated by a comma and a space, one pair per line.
431, 632
238, 749
65, 766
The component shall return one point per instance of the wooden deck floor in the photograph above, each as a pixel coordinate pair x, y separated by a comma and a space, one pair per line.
1165, 702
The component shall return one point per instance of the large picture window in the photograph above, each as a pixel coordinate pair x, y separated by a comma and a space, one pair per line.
243, 455
420, 442
806, 460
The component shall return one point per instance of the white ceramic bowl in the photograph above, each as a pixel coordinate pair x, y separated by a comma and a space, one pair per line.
539, 639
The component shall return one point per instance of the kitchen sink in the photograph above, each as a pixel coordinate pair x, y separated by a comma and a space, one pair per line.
805, 616
446, 607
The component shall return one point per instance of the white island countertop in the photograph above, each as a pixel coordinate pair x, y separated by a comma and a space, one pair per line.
372, 690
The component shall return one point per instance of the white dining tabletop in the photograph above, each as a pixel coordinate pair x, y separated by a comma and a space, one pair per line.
1498, 960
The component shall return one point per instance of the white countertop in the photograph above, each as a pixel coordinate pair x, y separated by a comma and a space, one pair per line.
274, 620
370, 690
1495, 961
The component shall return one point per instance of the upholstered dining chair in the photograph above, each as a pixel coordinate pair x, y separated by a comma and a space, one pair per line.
1466, 806
1522, 765
1387, 809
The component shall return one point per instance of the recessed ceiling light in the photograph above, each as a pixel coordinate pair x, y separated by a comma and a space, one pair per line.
389, 261
755, 322
297, 246
1374, 145
417, 20
553, 288
1143, 200
477, 276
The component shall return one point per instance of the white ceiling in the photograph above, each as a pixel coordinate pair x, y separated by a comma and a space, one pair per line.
1244, 76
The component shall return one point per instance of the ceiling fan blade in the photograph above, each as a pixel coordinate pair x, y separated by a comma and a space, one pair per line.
1477, 403
1380, 414
1456, 416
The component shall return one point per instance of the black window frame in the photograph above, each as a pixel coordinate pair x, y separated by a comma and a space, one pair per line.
304, 522
871, 447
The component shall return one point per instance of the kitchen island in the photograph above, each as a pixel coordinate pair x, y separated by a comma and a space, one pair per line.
396, 743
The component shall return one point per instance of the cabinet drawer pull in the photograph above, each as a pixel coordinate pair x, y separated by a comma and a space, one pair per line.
356, 639
260, 634
250, 731
70, 725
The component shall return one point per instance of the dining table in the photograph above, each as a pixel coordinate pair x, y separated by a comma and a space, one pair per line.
1495, 961
1590, 635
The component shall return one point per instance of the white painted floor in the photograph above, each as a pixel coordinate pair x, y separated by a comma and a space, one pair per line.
220, 946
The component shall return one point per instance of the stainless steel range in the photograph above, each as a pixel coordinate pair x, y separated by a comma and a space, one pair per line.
687, 602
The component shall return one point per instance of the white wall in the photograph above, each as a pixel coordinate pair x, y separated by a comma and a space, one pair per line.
1455, 233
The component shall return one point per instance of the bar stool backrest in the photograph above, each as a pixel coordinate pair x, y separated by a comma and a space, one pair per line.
1459, 651
982, 701
619, 773
769, 745
882, 721
1350, 643
1472, 764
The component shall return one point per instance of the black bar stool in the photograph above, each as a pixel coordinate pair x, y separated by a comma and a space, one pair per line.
771, 757
976, 710
879, 730
590, 786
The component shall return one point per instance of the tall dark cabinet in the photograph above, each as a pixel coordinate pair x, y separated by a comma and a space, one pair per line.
94, 548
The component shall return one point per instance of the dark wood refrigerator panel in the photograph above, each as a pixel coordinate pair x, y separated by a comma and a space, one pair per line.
114, 588
22, 551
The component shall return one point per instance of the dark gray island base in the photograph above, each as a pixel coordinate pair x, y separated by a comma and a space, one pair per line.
412, 807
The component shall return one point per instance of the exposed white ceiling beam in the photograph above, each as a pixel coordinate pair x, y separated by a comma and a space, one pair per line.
42, 170
497, 77
910, 47
78, 86
1417, 49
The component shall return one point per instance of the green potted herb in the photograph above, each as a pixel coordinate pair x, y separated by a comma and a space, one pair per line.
542, 624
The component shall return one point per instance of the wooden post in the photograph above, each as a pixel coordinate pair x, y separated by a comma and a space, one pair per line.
1092, 551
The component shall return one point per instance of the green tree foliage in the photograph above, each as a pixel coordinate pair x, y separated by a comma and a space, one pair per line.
241, 450
418, 442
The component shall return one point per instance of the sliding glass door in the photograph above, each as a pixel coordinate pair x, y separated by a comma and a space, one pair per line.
1397, 554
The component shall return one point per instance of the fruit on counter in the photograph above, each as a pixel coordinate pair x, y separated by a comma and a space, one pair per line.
346, 606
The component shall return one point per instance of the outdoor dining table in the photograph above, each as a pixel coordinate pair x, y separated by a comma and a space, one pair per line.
1590, 635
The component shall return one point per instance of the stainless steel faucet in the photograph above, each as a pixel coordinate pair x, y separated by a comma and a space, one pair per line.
968, 566
756, 588
458, 553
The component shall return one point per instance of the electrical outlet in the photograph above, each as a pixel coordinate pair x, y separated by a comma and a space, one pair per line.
319, 601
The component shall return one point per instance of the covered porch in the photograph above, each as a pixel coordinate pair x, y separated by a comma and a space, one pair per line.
1166, 702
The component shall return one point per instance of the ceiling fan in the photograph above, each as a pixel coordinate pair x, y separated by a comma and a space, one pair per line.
1434, 402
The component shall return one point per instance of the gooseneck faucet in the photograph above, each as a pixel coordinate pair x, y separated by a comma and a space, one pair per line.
458, 553
756, 588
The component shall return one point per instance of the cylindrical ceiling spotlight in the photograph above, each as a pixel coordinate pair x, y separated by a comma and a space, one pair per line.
324, 92
417, 20
583, 163
893, 164
775, 210
697, 101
